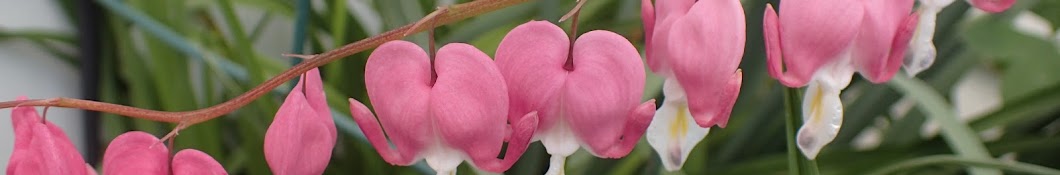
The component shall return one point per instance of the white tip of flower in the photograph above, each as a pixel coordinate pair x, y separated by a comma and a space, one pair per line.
922, 53
673, 132
560, 142
822, 117
443, 160
919, 59
936, 3
555, 165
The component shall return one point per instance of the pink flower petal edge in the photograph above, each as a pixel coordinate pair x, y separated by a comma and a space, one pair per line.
992, 6
41, 147
302, 135
885, 33
136, 153
195, 162
807, 35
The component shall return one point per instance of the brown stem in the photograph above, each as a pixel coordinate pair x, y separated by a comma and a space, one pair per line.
187, 118
573, 15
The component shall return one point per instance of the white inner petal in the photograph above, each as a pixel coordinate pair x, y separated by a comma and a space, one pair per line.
921, 53
938, 4
560, 142
443, 159
822, 117
673, 132
822, 110
556, 165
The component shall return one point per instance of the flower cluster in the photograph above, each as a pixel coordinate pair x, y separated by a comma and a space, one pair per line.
43, 148
568, 92
298, 142
821, 43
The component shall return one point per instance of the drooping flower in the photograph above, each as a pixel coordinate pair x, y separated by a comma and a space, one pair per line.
41, 147
302, 135
458, 114
922, 49
140, 153
697, 46
586, 95
822, 43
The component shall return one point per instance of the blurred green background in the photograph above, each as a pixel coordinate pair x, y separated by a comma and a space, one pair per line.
999, 73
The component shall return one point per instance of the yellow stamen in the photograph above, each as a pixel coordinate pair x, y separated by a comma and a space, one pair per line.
679, 127
815, 105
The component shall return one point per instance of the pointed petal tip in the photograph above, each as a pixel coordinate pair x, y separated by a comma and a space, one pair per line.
809, 145
992, 6
774, 51
89, 170
822, 118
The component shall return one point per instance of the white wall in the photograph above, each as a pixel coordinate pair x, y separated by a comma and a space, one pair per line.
26, 70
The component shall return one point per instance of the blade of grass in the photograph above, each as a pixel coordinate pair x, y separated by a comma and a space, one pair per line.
797, 164
168, 36
1036, 105
338, 36
965, 161
959, 136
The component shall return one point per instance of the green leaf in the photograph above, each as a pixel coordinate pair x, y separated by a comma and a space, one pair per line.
797, 164
961, 138
1027, 63
965, 161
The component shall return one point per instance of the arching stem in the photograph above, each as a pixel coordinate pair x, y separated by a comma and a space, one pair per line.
187, 118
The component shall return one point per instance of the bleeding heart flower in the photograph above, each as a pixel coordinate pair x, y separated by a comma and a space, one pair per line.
458, 115
830, 40
922, 49
140, 153
302, 134
585, 95
697, 45
41, 147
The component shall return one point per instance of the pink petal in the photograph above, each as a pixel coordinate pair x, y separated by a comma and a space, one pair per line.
666, 12
48, 154
531, 58
811, 33
41, 147
136, 153
669, 8
774, 51
519, 139
314, 94
992, 6
884, 37
605, 85
296, 142
398, 80
705, 48
195, 162
657, 58
639, 119
22, 120
89, 170
469, 101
